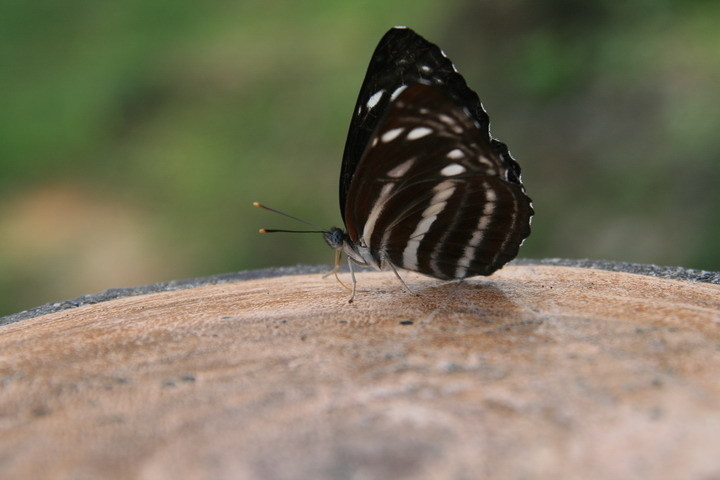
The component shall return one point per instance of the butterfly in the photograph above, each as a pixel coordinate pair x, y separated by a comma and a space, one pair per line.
423, 185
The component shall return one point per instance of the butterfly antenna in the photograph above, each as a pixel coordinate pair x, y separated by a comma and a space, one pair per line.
264, 230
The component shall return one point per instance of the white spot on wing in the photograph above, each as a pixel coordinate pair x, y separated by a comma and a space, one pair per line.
489, 208
418, 132
426, 69
452, 169
401, 169
444, 191
376, 211
397, 92
434, 210
486, 161
427, 222
410, 254
391, 135
455, 154
374, 99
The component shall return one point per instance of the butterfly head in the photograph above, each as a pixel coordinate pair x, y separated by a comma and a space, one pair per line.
335, 237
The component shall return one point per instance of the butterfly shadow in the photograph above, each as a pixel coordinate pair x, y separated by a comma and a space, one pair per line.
476, 303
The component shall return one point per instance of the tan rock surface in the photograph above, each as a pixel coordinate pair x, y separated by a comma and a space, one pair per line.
535, 372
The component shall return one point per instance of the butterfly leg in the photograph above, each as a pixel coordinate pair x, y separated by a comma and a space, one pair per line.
352, 274
401, 280
335, 269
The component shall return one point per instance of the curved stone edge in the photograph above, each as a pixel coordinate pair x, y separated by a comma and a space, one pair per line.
674, 273
114, 293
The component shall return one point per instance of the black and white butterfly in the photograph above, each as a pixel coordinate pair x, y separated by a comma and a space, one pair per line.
423, 185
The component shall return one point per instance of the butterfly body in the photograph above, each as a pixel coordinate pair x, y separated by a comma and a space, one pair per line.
423, 186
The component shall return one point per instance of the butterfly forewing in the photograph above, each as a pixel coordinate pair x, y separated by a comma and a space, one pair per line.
401, 58
432, 194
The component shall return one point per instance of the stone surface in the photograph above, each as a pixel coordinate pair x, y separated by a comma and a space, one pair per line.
538, 371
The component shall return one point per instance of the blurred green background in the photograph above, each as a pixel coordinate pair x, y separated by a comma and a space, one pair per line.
135, 134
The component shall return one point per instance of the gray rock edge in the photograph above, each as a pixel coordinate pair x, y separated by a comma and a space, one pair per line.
674, 273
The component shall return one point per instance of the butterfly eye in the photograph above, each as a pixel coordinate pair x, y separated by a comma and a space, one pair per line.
335, 237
